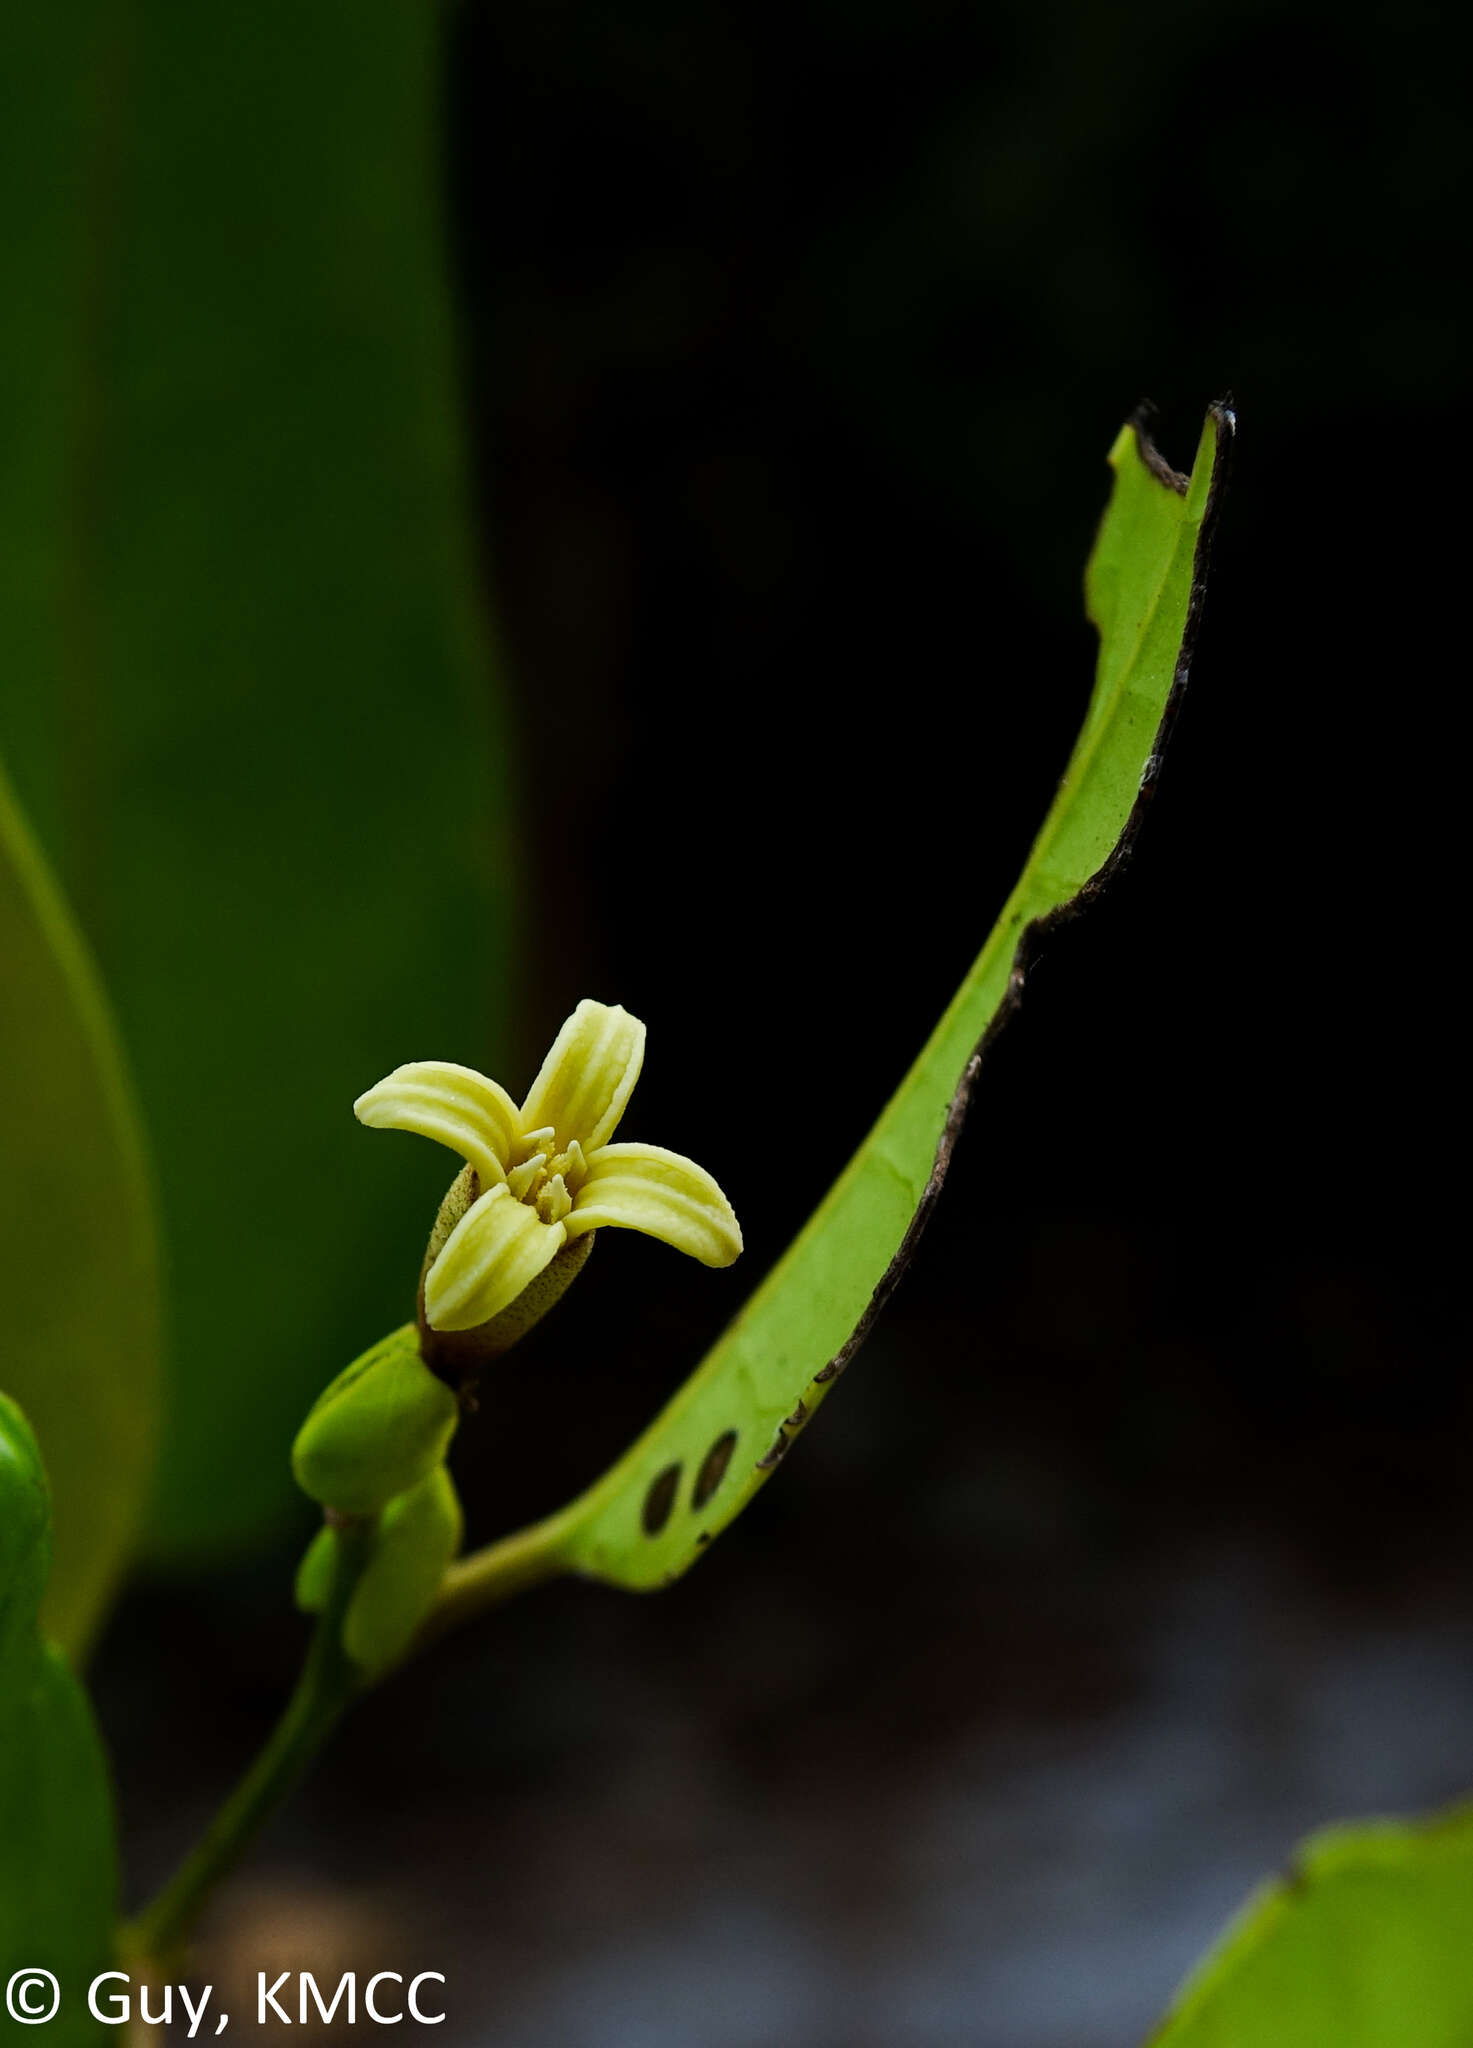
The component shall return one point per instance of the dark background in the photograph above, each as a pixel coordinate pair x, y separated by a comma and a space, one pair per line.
1139, 1538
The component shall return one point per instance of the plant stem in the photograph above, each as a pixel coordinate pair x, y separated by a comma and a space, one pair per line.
326, 1687
493, 1574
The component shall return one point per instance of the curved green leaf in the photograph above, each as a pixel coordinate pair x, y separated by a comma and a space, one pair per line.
725, 1432
247, 702
1367, 1943
78, 1268
58, 1864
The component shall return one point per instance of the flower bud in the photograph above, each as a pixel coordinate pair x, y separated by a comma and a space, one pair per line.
314, 1573
418, 1534
377, 1430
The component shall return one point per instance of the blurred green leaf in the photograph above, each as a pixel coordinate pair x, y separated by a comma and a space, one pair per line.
78, 1266
58, 1864
1367, 1943
253, 719
724, 1433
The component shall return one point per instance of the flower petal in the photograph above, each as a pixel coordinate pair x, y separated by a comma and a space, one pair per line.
498, 1247
454, 1105
644, 1187
588, 1076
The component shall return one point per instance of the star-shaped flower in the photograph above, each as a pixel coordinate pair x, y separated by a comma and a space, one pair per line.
546, 1173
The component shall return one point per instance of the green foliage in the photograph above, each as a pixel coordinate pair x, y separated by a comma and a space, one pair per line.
78, 1269
379, 1428
58, 1877
1368, 1943
246, 700
726, 1430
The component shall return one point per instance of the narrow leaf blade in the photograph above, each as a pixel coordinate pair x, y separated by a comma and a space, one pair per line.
727, 1429
78, 1262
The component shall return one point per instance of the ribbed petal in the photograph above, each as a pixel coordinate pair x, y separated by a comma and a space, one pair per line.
644, 1187
454, 1105
498, 1247
587, 1077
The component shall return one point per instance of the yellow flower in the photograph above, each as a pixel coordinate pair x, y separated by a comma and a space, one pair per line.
546, 1173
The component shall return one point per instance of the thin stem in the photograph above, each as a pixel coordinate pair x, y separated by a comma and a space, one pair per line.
489, 1576
326, 1687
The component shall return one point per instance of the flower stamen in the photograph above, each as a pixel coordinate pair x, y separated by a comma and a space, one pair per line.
525, 1180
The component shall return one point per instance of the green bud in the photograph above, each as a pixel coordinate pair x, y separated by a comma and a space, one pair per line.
314, 1573
417, 1536
377, 1430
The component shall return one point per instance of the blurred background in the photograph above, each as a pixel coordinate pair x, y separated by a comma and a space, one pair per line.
529, 504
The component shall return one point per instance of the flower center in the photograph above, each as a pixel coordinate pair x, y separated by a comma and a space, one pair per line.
546, 1180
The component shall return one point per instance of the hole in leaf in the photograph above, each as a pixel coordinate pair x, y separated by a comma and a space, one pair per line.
713, 1468
660, 1499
